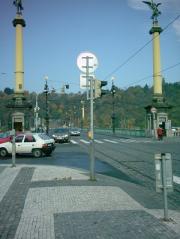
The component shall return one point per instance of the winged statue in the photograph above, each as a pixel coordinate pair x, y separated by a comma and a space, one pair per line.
154, 7
18, 4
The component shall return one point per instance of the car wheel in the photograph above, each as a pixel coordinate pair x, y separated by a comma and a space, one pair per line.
3, 152
37, 153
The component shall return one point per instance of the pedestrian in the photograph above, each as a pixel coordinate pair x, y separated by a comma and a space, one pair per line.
160, 133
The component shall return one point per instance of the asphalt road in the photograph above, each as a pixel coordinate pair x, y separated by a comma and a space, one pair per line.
127, 159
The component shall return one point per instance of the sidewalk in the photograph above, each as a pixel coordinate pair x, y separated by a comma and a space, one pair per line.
49, 202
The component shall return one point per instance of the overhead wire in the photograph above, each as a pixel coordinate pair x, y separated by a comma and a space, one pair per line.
139, 50
150, 76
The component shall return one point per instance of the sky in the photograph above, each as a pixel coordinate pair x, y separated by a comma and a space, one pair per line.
58, 31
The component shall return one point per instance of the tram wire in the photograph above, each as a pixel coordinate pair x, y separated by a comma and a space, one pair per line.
137, 52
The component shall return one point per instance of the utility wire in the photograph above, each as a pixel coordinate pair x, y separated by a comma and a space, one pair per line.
150, 76
139, 50
127, 60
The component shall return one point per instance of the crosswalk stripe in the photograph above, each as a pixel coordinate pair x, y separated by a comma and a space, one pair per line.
131, 140
73, 142
147, 141
128, 140
84, 141
123, 140
111, 141
98, 141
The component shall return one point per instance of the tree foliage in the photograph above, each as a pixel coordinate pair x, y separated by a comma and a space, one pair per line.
67, 108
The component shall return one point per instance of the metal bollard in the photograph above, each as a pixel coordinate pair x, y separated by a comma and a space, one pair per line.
164, 178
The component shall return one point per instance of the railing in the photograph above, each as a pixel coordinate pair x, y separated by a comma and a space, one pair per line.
123, 132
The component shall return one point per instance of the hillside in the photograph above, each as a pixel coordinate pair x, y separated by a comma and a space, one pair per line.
129, 107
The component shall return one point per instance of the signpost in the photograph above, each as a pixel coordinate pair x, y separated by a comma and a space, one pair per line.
87, 63
36, 110
154, 111
164, 177
12, 133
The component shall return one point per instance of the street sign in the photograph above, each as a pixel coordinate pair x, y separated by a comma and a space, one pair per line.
159, 172
85, 57
85, 83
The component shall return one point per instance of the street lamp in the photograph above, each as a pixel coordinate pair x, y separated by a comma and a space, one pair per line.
36, 110
113, 105
46, 91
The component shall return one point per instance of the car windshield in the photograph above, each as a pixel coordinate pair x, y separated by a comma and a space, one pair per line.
44, 136
62, 130
74, 129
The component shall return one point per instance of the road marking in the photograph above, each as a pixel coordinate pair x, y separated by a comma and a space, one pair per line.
84, 141
131, 140
98, 141
110, 141
134, 141
176, 179
123, 140
73, 142
128, 140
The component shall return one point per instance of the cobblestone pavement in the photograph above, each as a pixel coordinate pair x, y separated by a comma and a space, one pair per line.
49, 202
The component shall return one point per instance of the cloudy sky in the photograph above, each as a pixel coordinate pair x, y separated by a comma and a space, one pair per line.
58, 31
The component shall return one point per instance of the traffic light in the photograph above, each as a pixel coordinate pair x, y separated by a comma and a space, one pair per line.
113, 91
98, 92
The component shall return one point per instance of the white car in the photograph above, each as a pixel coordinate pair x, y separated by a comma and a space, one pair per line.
75, 132
29, 143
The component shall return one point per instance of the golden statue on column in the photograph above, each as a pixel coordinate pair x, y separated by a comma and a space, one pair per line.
19, 104
157, 112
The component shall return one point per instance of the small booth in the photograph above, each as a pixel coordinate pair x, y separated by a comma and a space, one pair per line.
18, 121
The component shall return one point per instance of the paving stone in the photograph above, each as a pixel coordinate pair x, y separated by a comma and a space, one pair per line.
7, 176
11, 206
2, 169
119, 224
48, 202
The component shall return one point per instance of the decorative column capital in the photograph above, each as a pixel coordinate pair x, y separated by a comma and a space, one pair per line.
155, 29
19, 21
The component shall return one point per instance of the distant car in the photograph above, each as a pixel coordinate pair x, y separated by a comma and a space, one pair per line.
75, 132
60, 135
5, 137
36, 144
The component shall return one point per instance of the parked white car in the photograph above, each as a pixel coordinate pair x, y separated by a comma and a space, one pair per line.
29, 143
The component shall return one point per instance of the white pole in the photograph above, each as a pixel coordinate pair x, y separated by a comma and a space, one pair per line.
13, 149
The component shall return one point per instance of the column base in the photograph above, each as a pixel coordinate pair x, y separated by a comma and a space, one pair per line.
19, 101
20, 110
157, 115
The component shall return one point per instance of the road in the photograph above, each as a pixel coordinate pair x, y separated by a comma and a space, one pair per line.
124, 158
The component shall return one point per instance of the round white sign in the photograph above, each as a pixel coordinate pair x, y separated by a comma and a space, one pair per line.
87, 59
153, 110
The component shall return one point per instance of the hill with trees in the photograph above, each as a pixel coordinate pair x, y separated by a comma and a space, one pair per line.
66, 108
